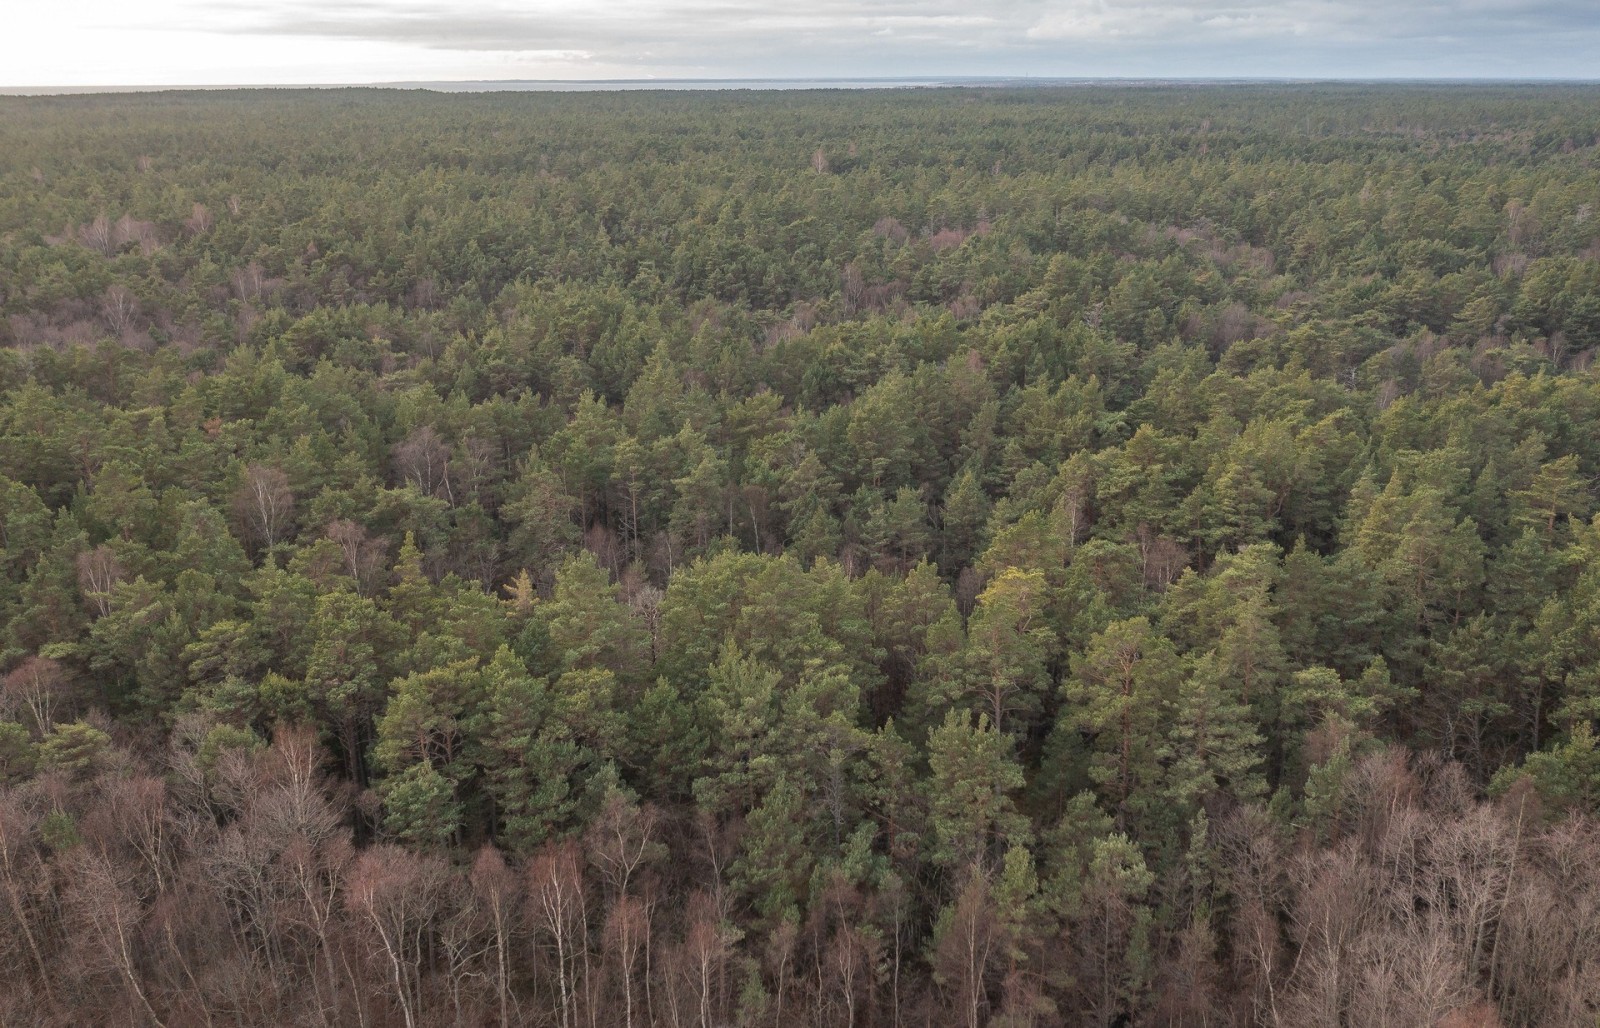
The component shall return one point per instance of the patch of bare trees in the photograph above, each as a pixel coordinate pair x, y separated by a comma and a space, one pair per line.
228, 887
1425, 907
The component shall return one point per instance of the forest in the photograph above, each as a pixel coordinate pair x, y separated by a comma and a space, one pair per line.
1107, 556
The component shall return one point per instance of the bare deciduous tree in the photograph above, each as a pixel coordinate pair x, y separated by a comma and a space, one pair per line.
106, 914
40, 686
961, 954
96, 235
397, 897
622, 839
363, 555
20, 875
264, 505
199, 221
250, 281
702, 957
497, 893
627, 936
119, 307
423, 459
559, 913
131, 815
99, 571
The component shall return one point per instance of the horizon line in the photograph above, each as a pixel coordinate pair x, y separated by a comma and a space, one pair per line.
821, 81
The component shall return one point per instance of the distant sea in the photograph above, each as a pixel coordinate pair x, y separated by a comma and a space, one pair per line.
593, 85
599, 85
952, 81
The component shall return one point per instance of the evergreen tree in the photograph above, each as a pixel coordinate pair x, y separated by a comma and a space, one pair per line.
1213, 745
972, 819
1120, 694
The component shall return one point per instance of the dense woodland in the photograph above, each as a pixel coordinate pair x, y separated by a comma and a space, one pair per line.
1106, 556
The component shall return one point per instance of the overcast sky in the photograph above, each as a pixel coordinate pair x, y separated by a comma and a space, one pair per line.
190, 42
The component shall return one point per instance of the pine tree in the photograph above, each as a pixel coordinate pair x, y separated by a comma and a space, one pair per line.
775, 864
742, 707
1558, 490
588, 624
421, 807
1002, 671
962, 518
532, 767
434, 717
352, 659
1120, 693
1213, 745
971, 816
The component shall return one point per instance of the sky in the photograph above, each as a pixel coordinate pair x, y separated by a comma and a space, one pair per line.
74, 43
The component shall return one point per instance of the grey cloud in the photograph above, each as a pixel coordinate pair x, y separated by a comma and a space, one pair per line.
1140, 37
1351, 20
448, 26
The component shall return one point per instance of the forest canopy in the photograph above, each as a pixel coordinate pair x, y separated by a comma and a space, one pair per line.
1108, 555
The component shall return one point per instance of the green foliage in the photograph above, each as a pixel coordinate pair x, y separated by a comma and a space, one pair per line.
589, 625
75, 748
971, 816
776, 861
18, 754
59, 831
420, 807
1121, 691
223, 739
1566, 776
1213, 745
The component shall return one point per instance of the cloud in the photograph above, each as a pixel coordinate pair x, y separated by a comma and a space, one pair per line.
786, 38
1352, 21
457, 26
695, 37
709, 33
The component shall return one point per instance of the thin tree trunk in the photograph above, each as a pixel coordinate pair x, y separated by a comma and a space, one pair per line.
402, 987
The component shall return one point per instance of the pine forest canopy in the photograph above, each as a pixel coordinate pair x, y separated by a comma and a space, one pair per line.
1109, 555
